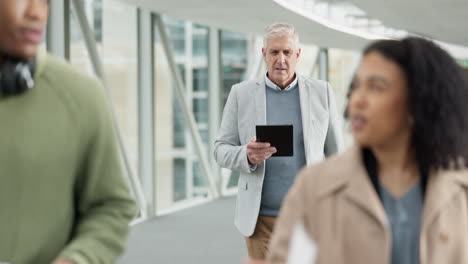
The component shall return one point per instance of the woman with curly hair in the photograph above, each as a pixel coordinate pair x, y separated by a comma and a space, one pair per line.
400, 195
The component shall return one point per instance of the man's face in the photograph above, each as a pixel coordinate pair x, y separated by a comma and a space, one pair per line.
22, 23
281, 54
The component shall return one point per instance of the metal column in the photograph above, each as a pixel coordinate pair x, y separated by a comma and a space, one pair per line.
146, 135
214, 98
188, 64
58, 29
323, 64
316, 61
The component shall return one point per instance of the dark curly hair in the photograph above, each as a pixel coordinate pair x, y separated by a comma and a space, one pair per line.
437, 100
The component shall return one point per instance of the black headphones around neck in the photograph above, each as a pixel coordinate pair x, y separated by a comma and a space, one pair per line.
16, 76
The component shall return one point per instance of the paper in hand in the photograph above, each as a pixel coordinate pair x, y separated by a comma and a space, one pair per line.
302, 249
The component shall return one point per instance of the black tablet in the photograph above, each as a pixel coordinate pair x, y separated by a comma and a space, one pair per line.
279, 136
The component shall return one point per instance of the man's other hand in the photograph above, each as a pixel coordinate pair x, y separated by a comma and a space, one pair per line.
259, 151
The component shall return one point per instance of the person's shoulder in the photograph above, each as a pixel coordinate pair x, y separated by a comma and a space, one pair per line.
247, 84
332, 173
313, 83
59, 73
79, 92
318, 89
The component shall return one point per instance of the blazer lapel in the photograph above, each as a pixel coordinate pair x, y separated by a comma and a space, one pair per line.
305, 113
260, 101
310, 110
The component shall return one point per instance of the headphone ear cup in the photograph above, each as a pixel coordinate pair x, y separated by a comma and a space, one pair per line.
8, 78
16, 77
24, 79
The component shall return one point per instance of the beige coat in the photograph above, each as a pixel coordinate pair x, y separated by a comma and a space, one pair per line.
343, 214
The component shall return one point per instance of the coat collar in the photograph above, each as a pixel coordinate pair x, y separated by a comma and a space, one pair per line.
358, 188
351, 176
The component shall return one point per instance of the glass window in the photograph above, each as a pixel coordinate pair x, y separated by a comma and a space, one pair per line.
97, 20
233, 59
180, 180
198, 180
200, 41
178, 175
200, 109
178, 124
176, 31
200, 78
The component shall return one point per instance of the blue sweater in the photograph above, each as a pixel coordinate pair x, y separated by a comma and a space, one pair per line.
283, 107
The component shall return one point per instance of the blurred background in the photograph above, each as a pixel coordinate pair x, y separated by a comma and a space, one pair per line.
168, 67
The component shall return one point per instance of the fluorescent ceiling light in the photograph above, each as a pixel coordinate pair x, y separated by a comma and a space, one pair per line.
327, 22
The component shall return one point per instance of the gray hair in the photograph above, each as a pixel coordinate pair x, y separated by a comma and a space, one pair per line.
280, 30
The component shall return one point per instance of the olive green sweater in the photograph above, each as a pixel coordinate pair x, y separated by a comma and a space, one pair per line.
62, 187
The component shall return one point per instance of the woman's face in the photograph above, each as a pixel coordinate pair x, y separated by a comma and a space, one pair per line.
378, 103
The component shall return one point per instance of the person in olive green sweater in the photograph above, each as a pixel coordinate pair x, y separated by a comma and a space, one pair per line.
63, 195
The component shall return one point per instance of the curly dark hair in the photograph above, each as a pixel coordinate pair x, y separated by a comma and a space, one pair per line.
437, 100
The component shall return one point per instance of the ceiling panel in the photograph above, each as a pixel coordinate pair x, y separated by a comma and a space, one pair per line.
444, 20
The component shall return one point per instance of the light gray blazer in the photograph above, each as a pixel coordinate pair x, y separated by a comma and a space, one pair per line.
246, 108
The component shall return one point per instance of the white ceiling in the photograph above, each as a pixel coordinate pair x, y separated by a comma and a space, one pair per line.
445, 20
252, 17
439, 19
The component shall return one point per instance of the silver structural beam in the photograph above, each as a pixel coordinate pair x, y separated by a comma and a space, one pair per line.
58, 33
188, 75
214, 97
146, 130
188, 114
323, 64
98, 68
89, 39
